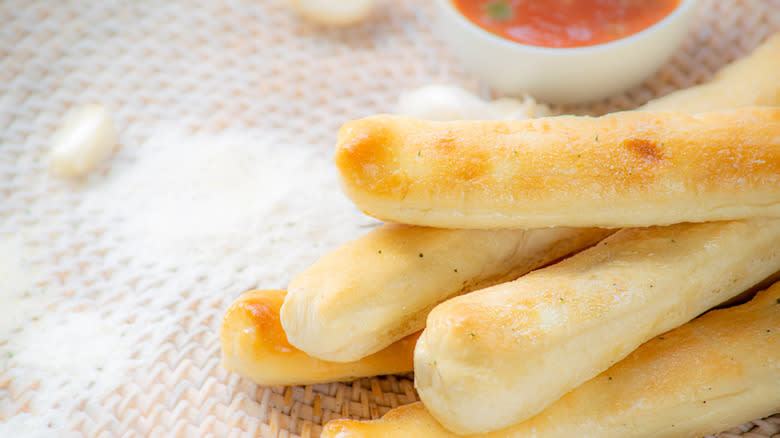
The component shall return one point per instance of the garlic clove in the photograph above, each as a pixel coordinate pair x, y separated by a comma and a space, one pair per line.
334, 12
86, 137
444, 102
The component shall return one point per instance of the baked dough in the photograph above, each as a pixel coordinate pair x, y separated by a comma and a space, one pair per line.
713, 373
500, 355
621, 169
254, 345
374, 290
393, 292
750, 81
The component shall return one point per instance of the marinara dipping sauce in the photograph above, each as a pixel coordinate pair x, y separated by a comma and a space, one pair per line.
565, 23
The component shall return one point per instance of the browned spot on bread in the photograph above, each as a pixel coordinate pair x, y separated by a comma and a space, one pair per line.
263, 312
366, 159
261, 308
461, 164
445, 143
643, 148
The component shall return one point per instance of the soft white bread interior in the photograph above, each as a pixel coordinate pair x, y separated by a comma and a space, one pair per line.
375, 290
500, 355
719, 370
255, 346
621, 169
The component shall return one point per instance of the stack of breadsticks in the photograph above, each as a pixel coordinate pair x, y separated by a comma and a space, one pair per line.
554, 265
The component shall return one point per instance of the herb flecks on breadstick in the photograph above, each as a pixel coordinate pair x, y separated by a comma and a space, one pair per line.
707, 375
647, 168
531, 347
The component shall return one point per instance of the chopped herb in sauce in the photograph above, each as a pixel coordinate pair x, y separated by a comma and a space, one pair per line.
499, 10
564, 23
421, 255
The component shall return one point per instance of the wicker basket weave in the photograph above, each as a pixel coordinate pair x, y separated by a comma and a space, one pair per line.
212, 67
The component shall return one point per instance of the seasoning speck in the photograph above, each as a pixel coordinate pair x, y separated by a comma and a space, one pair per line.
499, 10
421, 255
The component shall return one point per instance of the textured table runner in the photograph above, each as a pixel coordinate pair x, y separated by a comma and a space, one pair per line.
112, 288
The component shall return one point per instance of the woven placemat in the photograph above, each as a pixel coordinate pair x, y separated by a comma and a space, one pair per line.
108, 313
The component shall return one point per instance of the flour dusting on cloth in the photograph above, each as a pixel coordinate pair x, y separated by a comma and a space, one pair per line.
238, 200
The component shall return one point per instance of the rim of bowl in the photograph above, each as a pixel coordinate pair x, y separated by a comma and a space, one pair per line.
682, 8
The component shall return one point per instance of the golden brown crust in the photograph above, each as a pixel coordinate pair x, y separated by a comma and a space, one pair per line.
750, 81
622, 169
255, 346
715, 372
372, 291
500, 355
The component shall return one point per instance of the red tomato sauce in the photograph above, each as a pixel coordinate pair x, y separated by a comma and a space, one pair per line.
565, 23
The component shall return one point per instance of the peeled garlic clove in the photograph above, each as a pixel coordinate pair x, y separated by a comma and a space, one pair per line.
334, 12
444, 102
515, 109
85, 138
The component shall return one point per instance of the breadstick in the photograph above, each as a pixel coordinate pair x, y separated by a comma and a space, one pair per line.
500, 355
254, 345
377, 289
621, 169
750, 81
334, 333
715, 372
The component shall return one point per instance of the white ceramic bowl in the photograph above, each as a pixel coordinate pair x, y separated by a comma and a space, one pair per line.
563, 75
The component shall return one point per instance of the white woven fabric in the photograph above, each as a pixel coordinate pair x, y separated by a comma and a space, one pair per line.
112, 288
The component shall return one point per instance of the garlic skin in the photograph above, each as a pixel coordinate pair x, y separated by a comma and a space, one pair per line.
444, 102
520, 109
86, 138
334, 12
448, 102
